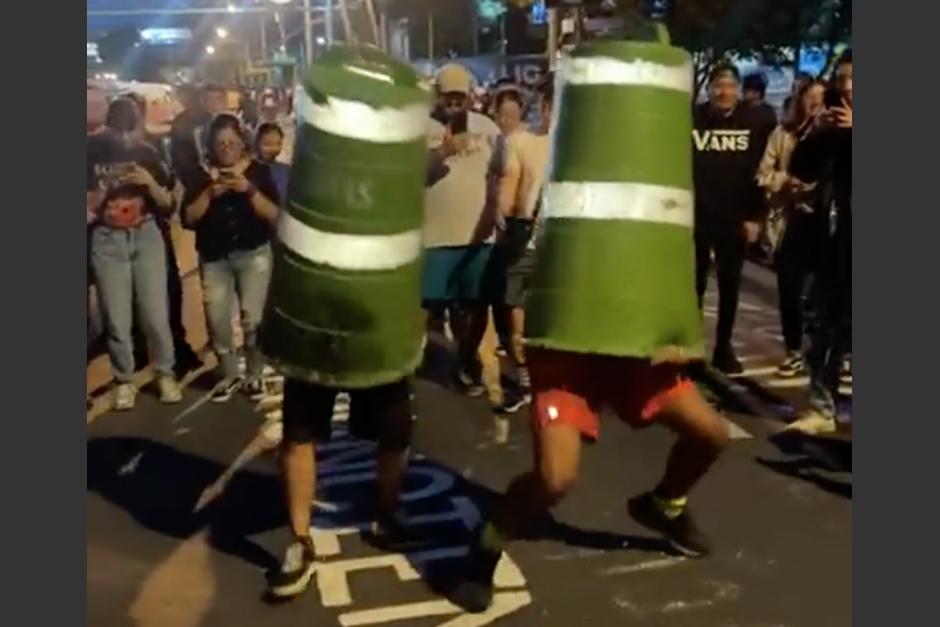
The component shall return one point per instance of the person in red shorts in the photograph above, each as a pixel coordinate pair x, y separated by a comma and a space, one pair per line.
644, 327
569, 390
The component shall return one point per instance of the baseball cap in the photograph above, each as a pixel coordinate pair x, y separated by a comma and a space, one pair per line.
453, 78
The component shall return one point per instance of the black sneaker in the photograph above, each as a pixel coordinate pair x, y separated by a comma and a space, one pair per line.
225, 389
470, 386
512, 403
474, 589
296, 570
726, 362
388, 533
681, 532
792, 366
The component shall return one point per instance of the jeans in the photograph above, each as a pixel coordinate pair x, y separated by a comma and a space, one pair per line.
726, 238
794, 263
244, 275
130, 267
830, 334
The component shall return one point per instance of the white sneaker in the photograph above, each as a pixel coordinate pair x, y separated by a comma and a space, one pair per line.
125, 395
170, 391
812, 422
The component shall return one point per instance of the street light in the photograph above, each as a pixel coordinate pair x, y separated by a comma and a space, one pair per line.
210, 50
221, 33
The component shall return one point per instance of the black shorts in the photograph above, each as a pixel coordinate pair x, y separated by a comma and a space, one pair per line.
518, 278
382, 413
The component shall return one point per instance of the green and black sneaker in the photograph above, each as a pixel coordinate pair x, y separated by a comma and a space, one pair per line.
679, 530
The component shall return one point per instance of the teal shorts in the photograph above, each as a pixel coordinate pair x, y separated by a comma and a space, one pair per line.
456, 274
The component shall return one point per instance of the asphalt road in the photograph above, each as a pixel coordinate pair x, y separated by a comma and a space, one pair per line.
778, 508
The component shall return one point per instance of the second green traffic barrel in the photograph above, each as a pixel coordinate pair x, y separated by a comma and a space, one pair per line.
343, 308
615, 270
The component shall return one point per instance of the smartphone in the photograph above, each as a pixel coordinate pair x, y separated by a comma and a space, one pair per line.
832, 98
458, 123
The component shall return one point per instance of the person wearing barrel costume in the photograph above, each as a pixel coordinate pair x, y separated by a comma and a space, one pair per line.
343, 310
611, 313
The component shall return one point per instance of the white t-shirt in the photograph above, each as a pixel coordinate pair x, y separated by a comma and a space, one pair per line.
454, 205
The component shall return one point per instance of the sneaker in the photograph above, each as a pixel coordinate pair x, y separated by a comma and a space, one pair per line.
474, 589
170, 391
224, 390
125, 395
296, 570
813, 422
727, 363
792, 366
681, 532
845, 372
512, 403
256, 389
389, 533
470, 386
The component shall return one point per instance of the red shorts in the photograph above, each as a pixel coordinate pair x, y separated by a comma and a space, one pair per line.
572, 388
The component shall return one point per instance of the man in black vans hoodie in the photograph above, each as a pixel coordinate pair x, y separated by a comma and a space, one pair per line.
728, 141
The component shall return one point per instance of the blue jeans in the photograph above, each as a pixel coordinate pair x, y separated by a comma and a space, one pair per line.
244, 275
130, 267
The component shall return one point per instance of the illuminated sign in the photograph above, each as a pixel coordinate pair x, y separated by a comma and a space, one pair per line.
165, 36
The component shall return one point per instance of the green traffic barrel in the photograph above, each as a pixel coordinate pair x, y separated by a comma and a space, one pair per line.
615, 269
343, 307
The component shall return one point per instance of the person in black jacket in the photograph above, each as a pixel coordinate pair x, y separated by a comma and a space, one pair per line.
825, 156
728, 141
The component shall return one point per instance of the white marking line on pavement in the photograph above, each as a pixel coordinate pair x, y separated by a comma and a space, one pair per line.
504, 603
192, 408
658, 564
755, 372
795, 382
130, 466
737, 433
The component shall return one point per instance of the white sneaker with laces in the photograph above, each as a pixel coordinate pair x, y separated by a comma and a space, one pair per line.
125, 395
170, 391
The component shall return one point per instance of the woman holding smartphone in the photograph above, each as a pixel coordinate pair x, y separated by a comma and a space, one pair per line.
232, 207
128, 188
791, 210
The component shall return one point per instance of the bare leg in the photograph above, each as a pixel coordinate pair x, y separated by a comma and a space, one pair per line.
702, 435
390, 468
298, 469
557, 458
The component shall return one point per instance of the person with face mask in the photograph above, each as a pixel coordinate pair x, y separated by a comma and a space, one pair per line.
728, 141
128, 187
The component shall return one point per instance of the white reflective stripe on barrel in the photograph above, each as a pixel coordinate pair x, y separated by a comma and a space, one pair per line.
348, 252
610, 71
357, 120
619, 201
